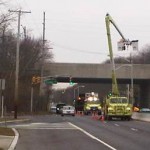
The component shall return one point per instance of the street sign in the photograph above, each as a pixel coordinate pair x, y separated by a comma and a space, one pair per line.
50, 81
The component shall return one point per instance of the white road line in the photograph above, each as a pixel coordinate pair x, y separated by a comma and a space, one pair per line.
22, 125
117, 125
93, 137
63, 126
41, 128
133, 129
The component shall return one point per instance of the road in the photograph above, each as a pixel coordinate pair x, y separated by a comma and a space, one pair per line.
53, 132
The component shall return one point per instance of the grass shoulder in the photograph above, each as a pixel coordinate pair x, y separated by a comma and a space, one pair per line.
6, 131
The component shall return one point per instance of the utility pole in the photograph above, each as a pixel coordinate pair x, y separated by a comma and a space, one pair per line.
43, 48
17, 63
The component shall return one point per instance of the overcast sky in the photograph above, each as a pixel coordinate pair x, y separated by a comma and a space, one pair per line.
76, 28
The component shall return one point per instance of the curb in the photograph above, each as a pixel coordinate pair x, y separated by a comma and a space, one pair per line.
19, 120
16, 137
14, 142
141, 116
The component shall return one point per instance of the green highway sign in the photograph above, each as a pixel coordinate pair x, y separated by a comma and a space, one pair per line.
50, 81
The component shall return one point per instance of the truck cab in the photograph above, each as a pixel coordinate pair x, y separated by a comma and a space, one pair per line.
117, 107
92, 103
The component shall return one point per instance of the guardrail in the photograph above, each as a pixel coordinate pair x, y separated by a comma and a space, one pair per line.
141, 116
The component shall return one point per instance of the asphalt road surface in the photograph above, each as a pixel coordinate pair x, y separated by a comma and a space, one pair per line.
53, 132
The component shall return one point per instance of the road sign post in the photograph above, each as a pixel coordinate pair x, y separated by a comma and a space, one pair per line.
2, 87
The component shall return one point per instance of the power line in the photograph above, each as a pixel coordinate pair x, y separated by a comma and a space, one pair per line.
79, 50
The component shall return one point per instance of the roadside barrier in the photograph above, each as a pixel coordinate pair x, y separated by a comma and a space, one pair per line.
141, 116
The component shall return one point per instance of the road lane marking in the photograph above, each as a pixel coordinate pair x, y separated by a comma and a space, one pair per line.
93, 137
37, 128
117, 125
48, 126
134, 129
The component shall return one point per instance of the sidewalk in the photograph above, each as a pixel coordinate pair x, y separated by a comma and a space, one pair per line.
5, 142
9, 142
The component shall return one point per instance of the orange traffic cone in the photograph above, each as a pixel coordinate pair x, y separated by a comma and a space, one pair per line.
102, 118
93, 116
81, 113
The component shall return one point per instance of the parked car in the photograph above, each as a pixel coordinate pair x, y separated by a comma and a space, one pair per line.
53, 109
59, 107
146, 110
68, 110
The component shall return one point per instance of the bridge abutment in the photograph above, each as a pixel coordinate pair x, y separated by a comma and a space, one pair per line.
145, 94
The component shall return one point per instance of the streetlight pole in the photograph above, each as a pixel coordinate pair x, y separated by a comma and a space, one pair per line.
132, 80
131, 75
31, 103
82, 86
132, 87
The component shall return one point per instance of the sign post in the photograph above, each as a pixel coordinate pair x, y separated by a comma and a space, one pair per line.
2, 87
31, 108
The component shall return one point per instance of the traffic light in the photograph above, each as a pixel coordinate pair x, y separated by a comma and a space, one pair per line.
38, 79
109, 94
79, 98
33, 80
70, 81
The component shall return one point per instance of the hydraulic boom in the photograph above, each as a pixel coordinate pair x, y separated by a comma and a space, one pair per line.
116, 105
125, 41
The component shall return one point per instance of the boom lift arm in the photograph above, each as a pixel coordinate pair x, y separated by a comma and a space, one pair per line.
109, 20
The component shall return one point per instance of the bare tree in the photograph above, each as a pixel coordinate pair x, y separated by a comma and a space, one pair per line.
144, 55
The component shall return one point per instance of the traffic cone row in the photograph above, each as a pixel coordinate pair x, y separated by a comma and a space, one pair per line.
102, 118
95, 116
80, 113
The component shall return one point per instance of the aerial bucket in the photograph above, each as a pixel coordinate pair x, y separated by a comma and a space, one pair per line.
121, 46
135, 45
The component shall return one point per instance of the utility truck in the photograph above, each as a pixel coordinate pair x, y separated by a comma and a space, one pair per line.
88, 103
92, 103
116, 105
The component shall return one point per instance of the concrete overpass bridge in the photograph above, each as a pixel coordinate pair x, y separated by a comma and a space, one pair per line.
101, 73
97, 72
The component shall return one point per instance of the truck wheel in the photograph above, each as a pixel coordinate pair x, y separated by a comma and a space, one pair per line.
129, 118
99, 113
109, 118
106, 117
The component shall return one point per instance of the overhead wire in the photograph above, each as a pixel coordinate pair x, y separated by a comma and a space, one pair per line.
78, 50
36, 25
73, 22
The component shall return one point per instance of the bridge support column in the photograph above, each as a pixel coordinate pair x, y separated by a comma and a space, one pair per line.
145, 94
